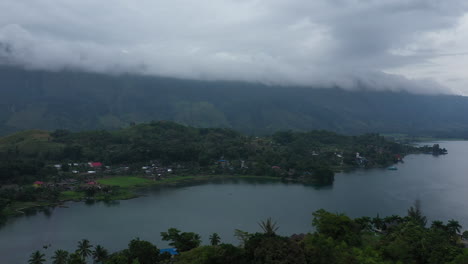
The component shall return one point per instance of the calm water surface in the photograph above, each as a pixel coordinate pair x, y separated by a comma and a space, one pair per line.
441, 183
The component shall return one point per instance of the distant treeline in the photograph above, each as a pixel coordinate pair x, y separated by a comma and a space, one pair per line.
315, 155
338, 240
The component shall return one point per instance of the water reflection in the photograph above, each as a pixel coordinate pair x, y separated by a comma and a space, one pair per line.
111, 203
90, 201
28, 212
47, 211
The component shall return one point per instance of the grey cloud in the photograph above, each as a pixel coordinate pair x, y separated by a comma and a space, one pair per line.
348, 43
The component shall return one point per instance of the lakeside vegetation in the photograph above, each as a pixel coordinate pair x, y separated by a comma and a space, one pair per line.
338, 239
39, 167
125, 181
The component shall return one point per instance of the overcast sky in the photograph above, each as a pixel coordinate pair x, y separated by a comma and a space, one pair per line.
418, 45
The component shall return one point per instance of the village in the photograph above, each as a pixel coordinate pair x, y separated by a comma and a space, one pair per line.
82, 176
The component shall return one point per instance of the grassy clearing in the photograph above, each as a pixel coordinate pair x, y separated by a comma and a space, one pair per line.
71, 195
125, 181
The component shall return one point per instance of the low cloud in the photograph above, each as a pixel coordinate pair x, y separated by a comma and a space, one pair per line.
415, 45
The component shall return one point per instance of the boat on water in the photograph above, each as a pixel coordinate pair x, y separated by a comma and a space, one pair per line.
392, 168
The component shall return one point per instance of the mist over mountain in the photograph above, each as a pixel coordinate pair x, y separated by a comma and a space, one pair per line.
413, 45
80, 101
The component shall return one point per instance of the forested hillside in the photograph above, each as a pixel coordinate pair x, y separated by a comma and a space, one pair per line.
84, 101
29, 156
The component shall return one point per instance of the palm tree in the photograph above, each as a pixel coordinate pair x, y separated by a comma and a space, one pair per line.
100, 254
60, 257
215, 239
415, 214
84, 248
37, 258
465, 235
268, 226
453, 227
438, 225
76, 258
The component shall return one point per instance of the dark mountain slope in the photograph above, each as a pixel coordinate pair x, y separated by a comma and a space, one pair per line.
82, 101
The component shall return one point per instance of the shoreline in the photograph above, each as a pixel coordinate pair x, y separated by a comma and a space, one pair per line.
128, 191
125, 193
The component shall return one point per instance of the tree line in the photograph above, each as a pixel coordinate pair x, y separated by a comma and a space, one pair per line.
337, 239
311, 155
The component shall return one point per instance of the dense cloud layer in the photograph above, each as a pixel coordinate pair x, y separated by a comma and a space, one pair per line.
419, 45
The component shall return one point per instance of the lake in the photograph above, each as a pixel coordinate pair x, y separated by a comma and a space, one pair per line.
441, 183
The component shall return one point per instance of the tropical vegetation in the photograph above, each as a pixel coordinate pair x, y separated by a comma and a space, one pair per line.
337, 239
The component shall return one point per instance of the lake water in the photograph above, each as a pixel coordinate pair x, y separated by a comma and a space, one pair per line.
441, 183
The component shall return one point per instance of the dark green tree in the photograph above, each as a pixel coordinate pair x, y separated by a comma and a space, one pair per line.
184, 241
84, 248
143, 251
415, 214
221, 254
76, 258
100, 253
268, 226
60, 257
337, 226
465, 235
118, 258
438, 225
264, 248
453, 227
461, 259
36, 258
243, 236
215, 239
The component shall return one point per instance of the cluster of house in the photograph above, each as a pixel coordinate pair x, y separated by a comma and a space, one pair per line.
86, 168
156, 170
361, 161
226, 164
67, 184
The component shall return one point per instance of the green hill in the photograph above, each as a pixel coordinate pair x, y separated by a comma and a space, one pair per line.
30, 142
194, 151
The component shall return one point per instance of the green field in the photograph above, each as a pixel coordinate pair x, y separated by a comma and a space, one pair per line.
125, 181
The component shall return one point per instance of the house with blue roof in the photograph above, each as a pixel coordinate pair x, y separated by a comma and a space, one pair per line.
172, 251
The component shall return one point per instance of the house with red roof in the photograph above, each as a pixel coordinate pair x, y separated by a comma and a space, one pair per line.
38, 183
95, 164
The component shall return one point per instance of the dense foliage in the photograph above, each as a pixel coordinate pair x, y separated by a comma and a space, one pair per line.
85, 101
311, 155
338, 239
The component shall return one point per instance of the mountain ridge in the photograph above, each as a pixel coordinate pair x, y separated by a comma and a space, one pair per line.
34, 99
